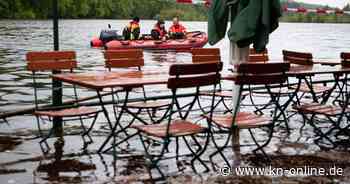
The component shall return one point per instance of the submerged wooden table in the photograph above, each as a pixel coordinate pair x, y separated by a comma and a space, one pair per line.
101, 80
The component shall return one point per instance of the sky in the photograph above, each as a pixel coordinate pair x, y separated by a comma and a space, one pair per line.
337, 3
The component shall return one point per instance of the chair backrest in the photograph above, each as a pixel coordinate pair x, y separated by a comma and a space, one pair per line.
206, 55
262, 73
124, 58
300, 58
345, 59
252, 51
257, 57
194, 75
51, 61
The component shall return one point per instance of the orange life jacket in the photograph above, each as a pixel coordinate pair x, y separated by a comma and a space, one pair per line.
177, 29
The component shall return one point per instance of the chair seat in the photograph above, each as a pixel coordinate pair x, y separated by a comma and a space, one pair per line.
243, 120
317, 88
72, 112
147, 104
316, 108
177, 128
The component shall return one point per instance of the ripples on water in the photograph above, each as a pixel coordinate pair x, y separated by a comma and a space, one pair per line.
19, 37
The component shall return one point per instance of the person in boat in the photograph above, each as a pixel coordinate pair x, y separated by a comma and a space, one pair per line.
132, 30
159, 32
177, 31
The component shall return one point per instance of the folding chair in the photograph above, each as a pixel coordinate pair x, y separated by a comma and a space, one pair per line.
182, 76
345, 61
118, 59
37, 63
336, 115
211, 55
132, 59
316, 90
266, 74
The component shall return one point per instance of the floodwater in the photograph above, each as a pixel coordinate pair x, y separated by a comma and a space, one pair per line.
325, 41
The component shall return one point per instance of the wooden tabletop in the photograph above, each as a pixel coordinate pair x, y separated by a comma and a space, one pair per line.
302, 70
101, 80
298, 70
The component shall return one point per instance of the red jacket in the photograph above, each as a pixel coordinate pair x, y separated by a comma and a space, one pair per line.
162, 32
177, 29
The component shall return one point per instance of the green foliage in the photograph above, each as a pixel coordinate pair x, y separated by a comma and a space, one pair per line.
119, 9
315, 18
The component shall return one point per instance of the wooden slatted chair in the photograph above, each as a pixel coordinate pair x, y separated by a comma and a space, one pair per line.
182, 76
336, 115
40, 62
345, 62
266, 74
301, 58
128, 59
258, 56
211, 55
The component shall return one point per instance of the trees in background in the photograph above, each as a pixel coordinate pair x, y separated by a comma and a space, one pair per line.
122, 9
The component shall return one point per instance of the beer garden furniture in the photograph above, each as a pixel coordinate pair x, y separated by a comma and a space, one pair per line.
39, 63
183, 76
265, 74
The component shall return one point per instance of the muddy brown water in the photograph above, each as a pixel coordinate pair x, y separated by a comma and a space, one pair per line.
21, 159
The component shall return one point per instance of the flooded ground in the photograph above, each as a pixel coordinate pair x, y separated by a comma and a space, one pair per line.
22, 161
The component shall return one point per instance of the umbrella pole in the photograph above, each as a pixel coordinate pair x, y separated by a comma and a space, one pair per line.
237, 56
56, 85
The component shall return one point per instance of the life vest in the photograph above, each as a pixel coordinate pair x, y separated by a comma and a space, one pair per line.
177, 29
161, 31
133, 25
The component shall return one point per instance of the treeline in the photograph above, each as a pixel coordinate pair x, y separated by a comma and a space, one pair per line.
114, 9
312, 17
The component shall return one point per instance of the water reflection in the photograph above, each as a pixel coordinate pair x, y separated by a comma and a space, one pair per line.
19, 37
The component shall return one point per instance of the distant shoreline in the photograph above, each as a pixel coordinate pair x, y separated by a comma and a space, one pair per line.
284, 19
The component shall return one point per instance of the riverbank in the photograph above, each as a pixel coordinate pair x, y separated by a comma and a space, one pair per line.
315, 18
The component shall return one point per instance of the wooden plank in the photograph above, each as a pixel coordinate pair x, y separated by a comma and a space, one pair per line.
51, 65
205, 51
124, 63
263, 68
195, 69
205, 59
123, 54
52, 60
193, 81
50, 56
258, 58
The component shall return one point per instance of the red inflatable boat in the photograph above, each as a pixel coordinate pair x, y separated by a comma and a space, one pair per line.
193, 40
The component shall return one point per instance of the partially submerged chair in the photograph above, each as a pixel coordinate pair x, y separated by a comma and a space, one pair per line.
337, 116
316, 90
182, 76
132, 59
40, 62
211, 55
345, 62
266, 74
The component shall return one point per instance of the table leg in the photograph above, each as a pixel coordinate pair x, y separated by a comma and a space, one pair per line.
286, 104
108, 119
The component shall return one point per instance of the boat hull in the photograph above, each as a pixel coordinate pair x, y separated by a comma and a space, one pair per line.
193, 40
